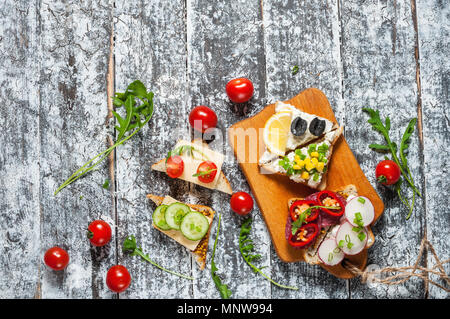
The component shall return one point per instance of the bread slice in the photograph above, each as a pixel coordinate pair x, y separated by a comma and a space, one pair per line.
201, 249
269, 167
222, 183
310, 254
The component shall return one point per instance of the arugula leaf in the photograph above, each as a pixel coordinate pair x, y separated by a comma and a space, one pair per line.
203, 173
246, 248
225, 293
136, 117
129, 246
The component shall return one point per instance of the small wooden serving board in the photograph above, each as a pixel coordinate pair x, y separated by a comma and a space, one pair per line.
272, 191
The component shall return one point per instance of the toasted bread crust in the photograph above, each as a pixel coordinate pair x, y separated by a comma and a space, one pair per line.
202, 248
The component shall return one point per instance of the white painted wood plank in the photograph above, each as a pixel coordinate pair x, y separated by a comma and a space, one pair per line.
75, 38
150, 46
380, 72
20, 257
225, 41
306, 34
434, 46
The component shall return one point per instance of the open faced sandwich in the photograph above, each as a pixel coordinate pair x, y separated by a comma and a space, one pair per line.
298, 145
195, 162
187, 224
328, 225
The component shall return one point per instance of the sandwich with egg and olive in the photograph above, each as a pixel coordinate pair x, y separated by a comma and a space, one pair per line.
298, 145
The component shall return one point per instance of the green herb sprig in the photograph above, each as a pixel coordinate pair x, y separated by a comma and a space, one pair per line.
138, 104
203, 173
130, 246
225, 293
390, 146
302, 217
246, 248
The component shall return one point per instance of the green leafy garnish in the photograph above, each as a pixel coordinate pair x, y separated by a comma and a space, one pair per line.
130, 246
203, 173
390, 146
185, 149
138, 104
225, 293
246, 248
302, 217
106, 184
361, 200
358, 220
295, 70
348, 241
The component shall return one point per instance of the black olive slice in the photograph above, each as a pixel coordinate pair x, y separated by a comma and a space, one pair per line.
317, 126
298, 126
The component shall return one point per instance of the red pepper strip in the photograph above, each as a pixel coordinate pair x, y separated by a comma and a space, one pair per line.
314, 213
304, 235
332, 212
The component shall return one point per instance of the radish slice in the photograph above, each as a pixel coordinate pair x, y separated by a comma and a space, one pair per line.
353, 242
329, 253
362, 205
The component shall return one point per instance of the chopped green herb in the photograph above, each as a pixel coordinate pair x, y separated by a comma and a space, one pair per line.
361, 200
361, 236
323, 148
358, 219
295, 70
348, 240
315, 177
106, 184
204, 172
312, 148
330, 257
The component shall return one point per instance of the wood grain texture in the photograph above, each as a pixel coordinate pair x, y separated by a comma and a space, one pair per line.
20, 258
73, 109
434, 39
303, 33
380, 72
343, 170
151, 46
225, 41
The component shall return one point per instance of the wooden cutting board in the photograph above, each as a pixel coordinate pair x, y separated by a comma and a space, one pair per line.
273, 191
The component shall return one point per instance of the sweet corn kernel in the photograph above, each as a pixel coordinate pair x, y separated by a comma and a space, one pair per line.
307, 161
320, 166
305, 175
314, 154
300, 163
297, 158
314, 161
309, 166
296, 167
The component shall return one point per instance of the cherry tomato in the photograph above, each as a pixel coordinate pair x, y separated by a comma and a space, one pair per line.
241, 203
174, 166
387, 172
56, 258
118, 278
202, 118
205, 167
99, 233
239, 90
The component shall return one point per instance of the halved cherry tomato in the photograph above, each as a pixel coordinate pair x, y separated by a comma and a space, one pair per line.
118, 278
387, 172
304, 235
56, 258
206, 166
239, 90
330, 199
300, 206
202, 118
99, 233
241, 203
174, 166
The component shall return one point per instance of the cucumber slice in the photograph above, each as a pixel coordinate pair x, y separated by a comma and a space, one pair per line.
194, 226
175, 213
159, 218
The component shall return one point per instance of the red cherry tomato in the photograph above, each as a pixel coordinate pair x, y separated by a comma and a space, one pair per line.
118, 278
241, 203
202, 118
56, 258
99, 233
387, 172
205, 167
239, 90
174, 166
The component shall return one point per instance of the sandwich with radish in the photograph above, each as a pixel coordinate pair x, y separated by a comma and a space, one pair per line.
327, 225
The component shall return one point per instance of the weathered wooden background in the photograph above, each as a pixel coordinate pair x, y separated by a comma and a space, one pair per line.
60, 60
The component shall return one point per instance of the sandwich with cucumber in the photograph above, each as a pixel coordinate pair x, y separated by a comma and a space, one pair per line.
187, 224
